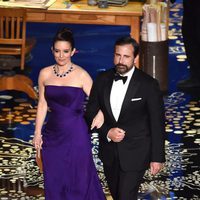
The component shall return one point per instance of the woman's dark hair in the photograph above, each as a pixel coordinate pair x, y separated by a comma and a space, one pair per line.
64, 34
128, 40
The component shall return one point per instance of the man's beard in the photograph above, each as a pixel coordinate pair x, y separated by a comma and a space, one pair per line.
122, 69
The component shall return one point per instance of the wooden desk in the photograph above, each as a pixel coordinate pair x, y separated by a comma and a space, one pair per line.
81, 13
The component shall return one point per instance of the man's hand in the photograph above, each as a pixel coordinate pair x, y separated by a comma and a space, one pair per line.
116, 134
155, 167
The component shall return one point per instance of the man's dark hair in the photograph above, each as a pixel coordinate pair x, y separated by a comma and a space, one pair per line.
128, 40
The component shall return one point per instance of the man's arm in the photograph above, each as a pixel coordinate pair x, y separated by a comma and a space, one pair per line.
157, 123
93, 106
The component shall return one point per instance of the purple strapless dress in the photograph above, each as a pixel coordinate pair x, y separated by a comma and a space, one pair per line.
69, 170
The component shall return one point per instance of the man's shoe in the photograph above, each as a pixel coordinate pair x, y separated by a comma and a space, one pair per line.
188, 83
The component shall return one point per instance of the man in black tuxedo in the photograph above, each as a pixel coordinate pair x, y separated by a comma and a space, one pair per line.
132, 136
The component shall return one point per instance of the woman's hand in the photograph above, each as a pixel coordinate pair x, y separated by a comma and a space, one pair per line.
37, 141
98, 120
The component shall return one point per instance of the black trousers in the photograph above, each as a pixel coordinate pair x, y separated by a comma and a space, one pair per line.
191, 35
123, 185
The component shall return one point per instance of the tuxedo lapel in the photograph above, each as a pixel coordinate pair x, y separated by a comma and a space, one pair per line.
131, 91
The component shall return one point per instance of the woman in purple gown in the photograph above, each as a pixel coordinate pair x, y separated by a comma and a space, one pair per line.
68, 167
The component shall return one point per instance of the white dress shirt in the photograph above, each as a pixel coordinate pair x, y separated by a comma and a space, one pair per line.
118, 92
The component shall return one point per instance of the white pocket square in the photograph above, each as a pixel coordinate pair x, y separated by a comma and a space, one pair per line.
136, 99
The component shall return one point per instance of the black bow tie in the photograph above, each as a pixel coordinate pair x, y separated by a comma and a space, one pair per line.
119, 77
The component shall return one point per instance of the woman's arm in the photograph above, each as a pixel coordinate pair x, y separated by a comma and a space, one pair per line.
41, 112
98, 120
86, 82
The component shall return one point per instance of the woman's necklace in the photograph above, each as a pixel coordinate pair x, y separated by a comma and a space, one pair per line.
56, 71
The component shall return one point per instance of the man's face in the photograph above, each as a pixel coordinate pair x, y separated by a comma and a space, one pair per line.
124, 58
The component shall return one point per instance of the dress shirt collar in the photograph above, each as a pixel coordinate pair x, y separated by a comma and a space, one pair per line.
129, 73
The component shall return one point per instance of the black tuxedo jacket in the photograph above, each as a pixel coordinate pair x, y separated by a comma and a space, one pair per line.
141, 116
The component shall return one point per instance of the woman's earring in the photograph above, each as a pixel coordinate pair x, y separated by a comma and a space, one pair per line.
52, 50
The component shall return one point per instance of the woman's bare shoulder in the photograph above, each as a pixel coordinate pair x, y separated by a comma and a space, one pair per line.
46, 71
81, 71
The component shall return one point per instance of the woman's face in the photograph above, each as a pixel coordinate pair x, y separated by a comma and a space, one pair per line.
62, 52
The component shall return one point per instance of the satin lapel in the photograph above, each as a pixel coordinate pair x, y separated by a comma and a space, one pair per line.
108, 86
131, 91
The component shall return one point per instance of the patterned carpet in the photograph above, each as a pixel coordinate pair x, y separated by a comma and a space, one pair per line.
180, 179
